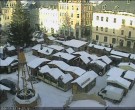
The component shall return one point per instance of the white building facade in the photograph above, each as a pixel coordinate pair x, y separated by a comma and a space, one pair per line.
114, 28
48, 20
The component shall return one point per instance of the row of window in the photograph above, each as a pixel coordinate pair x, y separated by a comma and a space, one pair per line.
114, 20
106, 30
63, 14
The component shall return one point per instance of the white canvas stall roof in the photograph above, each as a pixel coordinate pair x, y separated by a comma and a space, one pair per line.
36, 62
91, 45
127, 64
114, 56
118, 53
114, 89
7, 61
132, 56
2, 87
70, 50
85, 79
76, 70
120, 81
74, 43
106, 59
51, 38
40, 40
115, 71
66, 78
45, 69
64, 55
56, 73
45, 50
36, 47
130, 75
61, 64
56, 47
11, 48
99, 62
1, 49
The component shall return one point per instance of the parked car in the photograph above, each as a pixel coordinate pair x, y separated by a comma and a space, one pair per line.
112, 93
9, 84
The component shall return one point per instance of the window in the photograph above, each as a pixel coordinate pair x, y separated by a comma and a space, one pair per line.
106, 19
77, 24
113, 31
128, 44
96, 28
103, 7
106, 29
131, 22
129, 34
114, 20
77, 15
122, 32
113, 40
71, 22
97, 37
123, 21
101, 28
105, 39
97, 18
71, 14
72, 7
101, 18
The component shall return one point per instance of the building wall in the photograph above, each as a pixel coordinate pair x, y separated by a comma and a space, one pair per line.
79, 14
48, 20
113, 30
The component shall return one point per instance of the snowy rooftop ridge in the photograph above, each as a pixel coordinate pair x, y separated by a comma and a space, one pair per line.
120, 81
64, 55
106, 59
74, 43
85, 79
36, 62
118, 53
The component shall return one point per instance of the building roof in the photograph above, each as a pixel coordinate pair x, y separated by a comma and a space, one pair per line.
2, 87
10, 48
118, 53
45, 50
127, 66
106, 59
120, 81
45, 69
64, 55
66, 78
76, 70
115, 71
117, 5
74, 43
99, 62
56, 47
51, 38
7, 61
132, 56
36, 62
85, 79
129, 75
36, 47
70, 50
61, 64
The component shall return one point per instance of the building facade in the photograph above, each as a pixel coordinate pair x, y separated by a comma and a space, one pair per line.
111, 28
75, 17
48, 20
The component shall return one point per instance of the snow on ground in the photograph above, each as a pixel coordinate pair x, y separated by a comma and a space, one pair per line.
53, 97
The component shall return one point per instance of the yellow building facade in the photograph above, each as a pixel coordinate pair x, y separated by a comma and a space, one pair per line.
74, 17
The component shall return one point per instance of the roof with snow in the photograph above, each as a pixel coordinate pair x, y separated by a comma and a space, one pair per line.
120, 81
66, 78
118, 53
127, 66
61, 64
56, 47
115, 71
85, 79
45, 50
7, 61
2, 87
10, 48
70, 50
115, 56
130, 75
99, 63
64, 55
76, 70
132, 56
1, 49
51, 38
40, 40
36, 47
36, 62
74, 43
106, 59
45, 69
